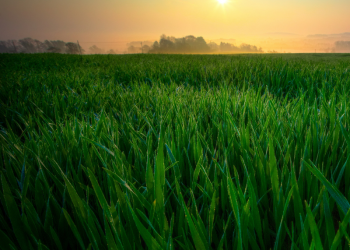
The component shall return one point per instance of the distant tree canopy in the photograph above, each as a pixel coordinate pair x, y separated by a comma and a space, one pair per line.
190, 44
29, 45
57, 46
73, 48
32, 46
187, 44
133, 50
145, 48
111, 52
96, 50
227, 47
342, 46
166, 44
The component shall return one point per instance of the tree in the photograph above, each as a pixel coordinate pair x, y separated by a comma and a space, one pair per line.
155, 45
192, 44
3, 47
228, 47
55, 46
201, 45
32, 46
165, 45
213, 46
181, 46
73, 48
111, 51
190, 38
146, 48
96, 50
12, 46
53, 50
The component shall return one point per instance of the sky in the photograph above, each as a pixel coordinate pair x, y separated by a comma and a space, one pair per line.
121, 21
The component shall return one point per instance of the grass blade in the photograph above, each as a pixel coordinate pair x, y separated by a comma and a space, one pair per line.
14, 215
334, 192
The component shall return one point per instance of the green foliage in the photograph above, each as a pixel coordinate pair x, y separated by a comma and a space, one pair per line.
174, 152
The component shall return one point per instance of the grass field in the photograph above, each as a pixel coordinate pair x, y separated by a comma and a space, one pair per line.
175, 151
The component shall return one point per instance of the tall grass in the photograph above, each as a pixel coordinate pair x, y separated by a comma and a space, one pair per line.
174, 152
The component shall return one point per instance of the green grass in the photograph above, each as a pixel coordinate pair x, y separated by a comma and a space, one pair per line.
175, 151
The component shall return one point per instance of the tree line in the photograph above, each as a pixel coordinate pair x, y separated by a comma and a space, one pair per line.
166, 44
29, 45
192, 44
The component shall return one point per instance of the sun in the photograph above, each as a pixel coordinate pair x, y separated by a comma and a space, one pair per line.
222, 1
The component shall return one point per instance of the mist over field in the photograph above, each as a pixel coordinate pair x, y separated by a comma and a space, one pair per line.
115, 26
273, 43
166, 44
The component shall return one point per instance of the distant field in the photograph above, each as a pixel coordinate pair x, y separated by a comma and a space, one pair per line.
175, 151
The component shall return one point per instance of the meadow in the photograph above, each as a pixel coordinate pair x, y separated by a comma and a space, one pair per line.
175, 151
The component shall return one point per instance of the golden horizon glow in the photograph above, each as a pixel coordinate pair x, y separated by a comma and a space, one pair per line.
222, 1
271, 24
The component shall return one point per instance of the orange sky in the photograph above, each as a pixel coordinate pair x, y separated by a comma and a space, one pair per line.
127, 20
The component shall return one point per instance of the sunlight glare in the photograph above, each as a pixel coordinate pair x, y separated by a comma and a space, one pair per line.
222, 1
